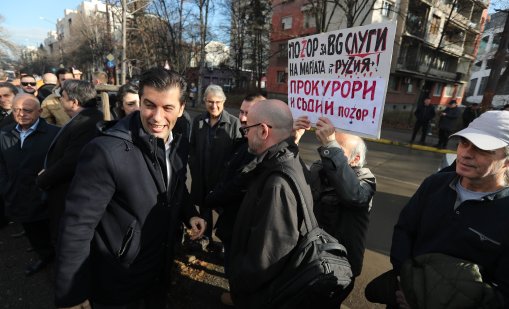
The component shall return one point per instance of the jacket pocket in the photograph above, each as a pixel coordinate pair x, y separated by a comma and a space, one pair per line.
129, 247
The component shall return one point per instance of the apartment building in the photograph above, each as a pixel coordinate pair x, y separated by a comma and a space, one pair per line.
482, 66
435, 47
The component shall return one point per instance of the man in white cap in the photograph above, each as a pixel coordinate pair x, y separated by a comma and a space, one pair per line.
462, 214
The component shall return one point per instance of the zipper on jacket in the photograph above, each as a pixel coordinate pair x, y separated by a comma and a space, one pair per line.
125, 242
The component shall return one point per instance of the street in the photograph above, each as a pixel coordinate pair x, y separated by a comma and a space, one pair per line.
399, 171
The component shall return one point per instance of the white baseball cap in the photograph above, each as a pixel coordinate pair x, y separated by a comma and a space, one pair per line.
489, 131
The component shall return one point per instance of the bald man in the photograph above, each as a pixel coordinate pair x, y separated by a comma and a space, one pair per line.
23, 147
342, 189
267, 226
50, 80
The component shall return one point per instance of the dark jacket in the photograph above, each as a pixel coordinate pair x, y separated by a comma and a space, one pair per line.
6, 120
44, 91
63, 154
469, 114
424, 113
210, 152
230, 191
19, 167
121, 217
440, 281
475, 231
448, 122
342, 201
267, 226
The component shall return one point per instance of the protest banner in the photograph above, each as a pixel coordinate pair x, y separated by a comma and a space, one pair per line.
342, 75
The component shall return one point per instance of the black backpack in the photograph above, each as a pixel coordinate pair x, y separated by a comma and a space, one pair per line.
317, 271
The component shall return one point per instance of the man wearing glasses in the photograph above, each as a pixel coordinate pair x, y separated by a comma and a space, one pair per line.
267, 225
23, 146
212, 142
29, 85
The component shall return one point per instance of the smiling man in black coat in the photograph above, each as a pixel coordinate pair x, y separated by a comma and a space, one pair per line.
126, 204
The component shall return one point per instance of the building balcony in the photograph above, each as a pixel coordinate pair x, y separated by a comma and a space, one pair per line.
421, 69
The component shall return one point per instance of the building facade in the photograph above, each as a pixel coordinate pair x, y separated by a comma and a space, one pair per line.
435, 47
482, 67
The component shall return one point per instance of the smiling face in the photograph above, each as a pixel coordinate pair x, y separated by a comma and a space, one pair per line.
478, 167
214, 104
159, 110
6, 98
130, 103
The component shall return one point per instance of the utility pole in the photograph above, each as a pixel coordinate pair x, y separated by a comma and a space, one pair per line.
496, 67
124, 41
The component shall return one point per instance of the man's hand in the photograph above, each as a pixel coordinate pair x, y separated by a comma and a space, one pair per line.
198, 226
300, 125
83, 305
325, 131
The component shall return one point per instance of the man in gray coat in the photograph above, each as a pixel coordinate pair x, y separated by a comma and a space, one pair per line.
342, 189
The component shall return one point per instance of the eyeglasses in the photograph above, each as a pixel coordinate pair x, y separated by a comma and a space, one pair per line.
244, 130
28, 83
24, 110
210, 102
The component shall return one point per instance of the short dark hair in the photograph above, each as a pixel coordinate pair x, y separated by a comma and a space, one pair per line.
63, 71
13, 88
27, 75
254, 96
81, 90
163, 79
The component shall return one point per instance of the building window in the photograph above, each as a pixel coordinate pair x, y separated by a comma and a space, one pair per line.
484, 42
489, 64
286, 23
281, 77
309, 20
471, 87
409, 88
394, 83
435, 25
449, 90
482, 86
283, 50
438, 89
496, 41
387, 9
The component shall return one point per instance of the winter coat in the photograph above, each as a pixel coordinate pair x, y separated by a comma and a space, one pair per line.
209, 152
424, 113
267, 225
121, 217
342, 201
53, 112
19, 167
439, 281
476, 230
448, 122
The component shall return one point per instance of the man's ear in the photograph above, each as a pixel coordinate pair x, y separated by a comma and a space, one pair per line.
355, 161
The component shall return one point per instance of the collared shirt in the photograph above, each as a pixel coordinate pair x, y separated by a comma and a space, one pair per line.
23, 134
167, 148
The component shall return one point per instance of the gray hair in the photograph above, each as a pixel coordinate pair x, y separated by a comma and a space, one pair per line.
506, 176
361, 150
215, 90
82, 91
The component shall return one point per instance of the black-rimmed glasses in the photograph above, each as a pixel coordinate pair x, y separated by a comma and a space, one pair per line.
33, 84
244, 130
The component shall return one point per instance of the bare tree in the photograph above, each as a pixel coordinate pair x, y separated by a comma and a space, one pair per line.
6, 46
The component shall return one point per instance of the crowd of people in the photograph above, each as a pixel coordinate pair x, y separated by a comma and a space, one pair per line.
105, 198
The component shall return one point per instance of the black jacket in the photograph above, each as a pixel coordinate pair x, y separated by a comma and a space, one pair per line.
18, 171
424, 113
267, 225
448, 121
342, 201
62, 157
209, 153
230, 191
121, 217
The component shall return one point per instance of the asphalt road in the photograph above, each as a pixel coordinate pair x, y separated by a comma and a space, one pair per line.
399, 171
